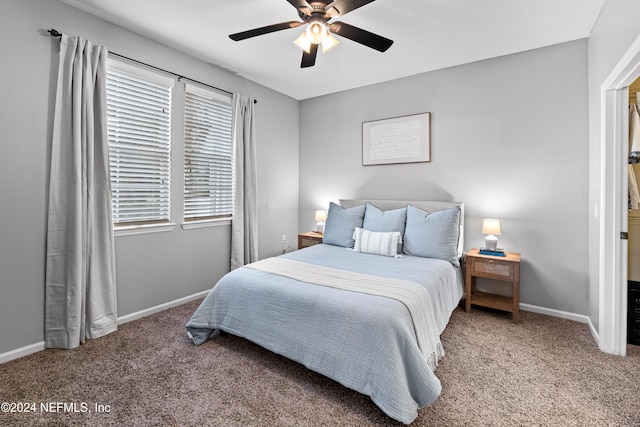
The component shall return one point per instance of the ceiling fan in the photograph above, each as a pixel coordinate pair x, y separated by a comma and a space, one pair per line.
317, 14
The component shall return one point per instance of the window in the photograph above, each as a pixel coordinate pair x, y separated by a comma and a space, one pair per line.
139, 129
208, 170
139, 102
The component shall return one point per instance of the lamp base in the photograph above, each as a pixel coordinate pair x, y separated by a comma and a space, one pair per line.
491, 242
320, 227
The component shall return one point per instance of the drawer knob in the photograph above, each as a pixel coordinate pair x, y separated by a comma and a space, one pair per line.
491, 262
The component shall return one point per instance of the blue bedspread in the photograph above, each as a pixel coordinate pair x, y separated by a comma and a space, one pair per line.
365, 342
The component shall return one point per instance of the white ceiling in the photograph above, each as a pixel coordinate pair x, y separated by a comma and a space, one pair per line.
428, 35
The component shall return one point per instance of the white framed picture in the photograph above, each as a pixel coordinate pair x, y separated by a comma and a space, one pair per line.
405, 139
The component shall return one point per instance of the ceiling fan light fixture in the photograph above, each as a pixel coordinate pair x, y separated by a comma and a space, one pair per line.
303, 42
329, 43
316, 15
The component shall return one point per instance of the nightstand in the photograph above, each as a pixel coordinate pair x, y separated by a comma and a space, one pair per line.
309, 239
506, 268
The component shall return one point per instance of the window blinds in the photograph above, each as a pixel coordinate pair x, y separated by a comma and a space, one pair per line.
207, 155
139, 128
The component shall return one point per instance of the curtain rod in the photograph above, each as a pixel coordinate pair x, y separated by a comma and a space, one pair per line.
56, 33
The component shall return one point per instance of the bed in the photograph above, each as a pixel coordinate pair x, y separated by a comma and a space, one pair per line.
365, 310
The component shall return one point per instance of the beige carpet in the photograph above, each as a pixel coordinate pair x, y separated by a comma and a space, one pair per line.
543, 372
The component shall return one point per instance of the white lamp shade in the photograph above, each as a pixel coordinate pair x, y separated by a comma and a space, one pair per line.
303, 42
329, 43
491, 226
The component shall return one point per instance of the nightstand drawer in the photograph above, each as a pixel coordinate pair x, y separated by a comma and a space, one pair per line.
493, 268
308, 241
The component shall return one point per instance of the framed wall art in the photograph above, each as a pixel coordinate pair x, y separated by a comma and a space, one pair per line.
405, 139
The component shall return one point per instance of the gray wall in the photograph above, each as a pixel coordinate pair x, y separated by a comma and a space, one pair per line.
151, 269
509, 139
612, 35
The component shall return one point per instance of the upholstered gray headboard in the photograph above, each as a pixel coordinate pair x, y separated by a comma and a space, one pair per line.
427, 205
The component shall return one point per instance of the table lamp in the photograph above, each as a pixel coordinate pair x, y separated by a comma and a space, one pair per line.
321, 216
491, 227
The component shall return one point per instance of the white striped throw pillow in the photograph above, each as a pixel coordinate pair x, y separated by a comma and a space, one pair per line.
376, 242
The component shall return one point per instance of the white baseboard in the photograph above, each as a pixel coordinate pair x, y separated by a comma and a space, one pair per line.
21, 352
151, 310
594, 333
555, 313
39, 346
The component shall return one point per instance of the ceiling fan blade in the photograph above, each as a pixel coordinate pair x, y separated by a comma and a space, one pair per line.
309, 59
264, 30
345, 6
302, 6
361, 36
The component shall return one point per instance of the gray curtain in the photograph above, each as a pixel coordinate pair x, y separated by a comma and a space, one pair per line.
80, 295
244, 227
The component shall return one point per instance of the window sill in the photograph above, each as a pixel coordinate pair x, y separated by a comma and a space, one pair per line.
205, 223
143, 229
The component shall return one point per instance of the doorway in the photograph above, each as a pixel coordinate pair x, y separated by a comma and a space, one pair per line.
633, 224
613, 209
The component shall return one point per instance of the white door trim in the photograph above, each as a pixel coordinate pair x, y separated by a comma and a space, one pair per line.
614, 140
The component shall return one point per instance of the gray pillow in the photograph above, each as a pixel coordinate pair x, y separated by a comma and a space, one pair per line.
433, 235
375, 219
340, 225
